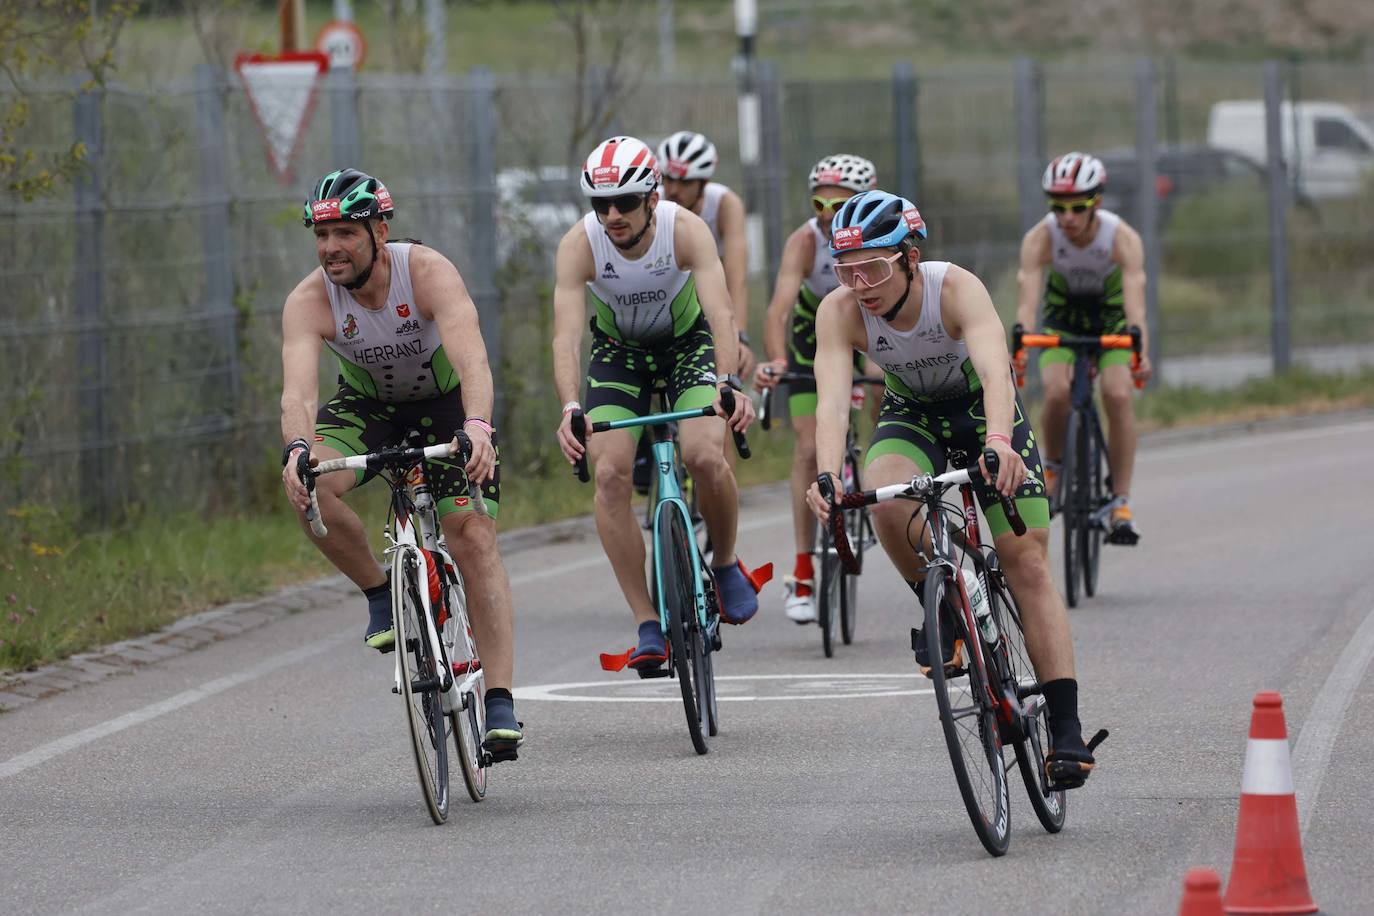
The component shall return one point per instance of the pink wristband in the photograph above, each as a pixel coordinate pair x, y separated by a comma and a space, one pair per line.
991, 436
479, 422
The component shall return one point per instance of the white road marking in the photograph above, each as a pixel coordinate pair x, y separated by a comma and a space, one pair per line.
1312, 753
554, 692
46, 752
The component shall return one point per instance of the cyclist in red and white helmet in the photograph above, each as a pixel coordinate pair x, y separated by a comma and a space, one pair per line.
805, 276
1095, 285
662, 320
688, 161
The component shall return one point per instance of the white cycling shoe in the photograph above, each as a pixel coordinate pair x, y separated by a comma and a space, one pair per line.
799, 608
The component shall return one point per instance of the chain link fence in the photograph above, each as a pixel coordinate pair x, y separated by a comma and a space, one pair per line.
142, 310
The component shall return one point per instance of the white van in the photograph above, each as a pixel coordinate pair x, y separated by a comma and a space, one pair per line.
1330, 149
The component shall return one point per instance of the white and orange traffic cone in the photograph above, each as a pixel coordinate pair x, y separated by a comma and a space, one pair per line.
1201, 893
1267, 874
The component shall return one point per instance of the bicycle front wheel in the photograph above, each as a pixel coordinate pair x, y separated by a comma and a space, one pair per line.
828, 595
860, 530
1071, 508
1033, 742
685, 645
468, 720
420, 675
968, 718
1091, 544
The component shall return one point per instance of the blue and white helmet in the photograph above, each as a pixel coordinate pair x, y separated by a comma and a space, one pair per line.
875, 219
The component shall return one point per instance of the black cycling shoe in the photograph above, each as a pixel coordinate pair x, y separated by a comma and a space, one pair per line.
502, 744
953, 650
1069, 765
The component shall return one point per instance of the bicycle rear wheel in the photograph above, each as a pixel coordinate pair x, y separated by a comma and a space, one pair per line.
968, 719
1091, 544
685, 643
1032, 745
830, 583
420, 678
468, 720
859, 529
1071, 508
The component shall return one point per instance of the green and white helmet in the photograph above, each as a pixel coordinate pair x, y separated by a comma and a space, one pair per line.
347, 194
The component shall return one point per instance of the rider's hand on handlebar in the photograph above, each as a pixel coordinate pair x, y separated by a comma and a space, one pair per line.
817, 503
572, 449
296, 493
482, 462
767, 374
1011, 470
1141, 373
744, 411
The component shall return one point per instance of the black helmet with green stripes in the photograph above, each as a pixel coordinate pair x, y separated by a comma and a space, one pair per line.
347, 194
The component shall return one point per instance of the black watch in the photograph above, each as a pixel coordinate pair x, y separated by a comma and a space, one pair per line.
732, 380
291, 447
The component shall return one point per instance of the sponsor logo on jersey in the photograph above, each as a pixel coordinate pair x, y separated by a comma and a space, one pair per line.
914, 223
408, 327
661, 265
319, 438
403, 310
606, 176
461, 501
325, 210
608, 272
882, 344
350, 327
849, 237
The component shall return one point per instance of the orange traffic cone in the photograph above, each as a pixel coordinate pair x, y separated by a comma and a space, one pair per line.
1267, 874
1201, 893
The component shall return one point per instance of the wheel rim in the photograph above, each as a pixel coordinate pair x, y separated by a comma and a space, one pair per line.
829, 597
428, 731
468, 724
679, 606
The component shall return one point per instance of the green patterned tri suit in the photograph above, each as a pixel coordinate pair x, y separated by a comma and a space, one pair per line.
1083, 293
801, 345
394, 377
932, 411
648, 331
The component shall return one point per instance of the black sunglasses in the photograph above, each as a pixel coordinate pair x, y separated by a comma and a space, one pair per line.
625, 203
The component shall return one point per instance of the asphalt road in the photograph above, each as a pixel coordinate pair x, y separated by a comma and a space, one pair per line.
271, 772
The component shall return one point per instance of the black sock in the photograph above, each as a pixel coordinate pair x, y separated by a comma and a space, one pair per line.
499, 693
1061, 701
376, 590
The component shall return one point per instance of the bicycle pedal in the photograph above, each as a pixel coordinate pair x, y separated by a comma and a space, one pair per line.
647, 673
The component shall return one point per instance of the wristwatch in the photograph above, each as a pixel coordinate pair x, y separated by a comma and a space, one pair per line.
732, 380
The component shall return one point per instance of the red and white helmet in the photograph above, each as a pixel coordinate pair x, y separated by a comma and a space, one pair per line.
844, 171
1074, 173
620, 165
686, 156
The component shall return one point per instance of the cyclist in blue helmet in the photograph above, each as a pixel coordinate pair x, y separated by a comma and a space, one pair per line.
932, 328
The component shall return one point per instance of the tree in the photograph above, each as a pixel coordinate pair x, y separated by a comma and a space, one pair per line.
42, 38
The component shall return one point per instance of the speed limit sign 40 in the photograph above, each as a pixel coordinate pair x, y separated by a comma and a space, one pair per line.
342, 43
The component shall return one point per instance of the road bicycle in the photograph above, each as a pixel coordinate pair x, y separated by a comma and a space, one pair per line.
1085, 499
438, 671
837, 589
991, 697
684, 589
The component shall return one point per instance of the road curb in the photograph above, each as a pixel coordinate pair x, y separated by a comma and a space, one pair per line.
186, 634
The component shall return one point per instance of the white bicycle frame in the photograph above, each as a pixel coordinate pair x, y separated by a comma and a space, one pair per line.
405, 543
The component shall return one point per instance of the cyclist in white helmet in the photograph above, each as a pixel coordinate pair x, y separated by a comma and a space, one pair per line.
1096, 285
805, 276
662, 320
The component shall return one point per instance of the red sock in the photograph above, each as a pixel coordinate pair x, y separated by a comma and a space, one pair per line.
803, 570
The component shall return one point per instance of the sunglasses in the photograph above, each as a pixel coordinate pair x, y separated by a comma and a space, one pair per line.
1077, 206
873, 272
824, 205
625, 203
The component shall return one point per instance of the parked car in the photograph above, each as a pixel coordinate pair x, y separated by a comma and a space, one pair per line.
1189, 168
1331, 150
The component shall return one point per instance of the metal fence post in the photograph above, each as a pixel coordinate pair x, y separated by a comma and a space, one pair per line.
771, 169
1280, 343
1030, 140
481, 280
342, 84
89, 283
216, 240
1147, 199
907, 151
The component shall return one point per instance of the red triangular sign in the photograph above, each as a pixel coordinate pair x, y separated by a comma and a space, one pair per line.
281, 92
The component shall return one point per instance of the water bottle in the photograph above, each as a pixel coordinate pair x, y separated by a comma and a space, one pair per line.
982, 610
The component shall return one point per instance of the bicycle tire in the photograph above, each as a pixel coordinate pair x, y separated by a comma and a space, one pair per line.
859, 526
678, 605
969, 723
469, 720
1091, 545
1050, 807
424, 712
1070, 509
829, 585
705, 665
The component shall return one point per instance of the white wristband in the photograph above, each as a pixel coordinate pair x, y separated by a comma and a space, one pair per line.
571, 406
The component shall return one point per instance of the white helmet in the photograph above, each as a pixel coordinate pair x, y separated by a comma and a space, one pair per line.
1074, 173
620, 165
686, 156
844, 171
